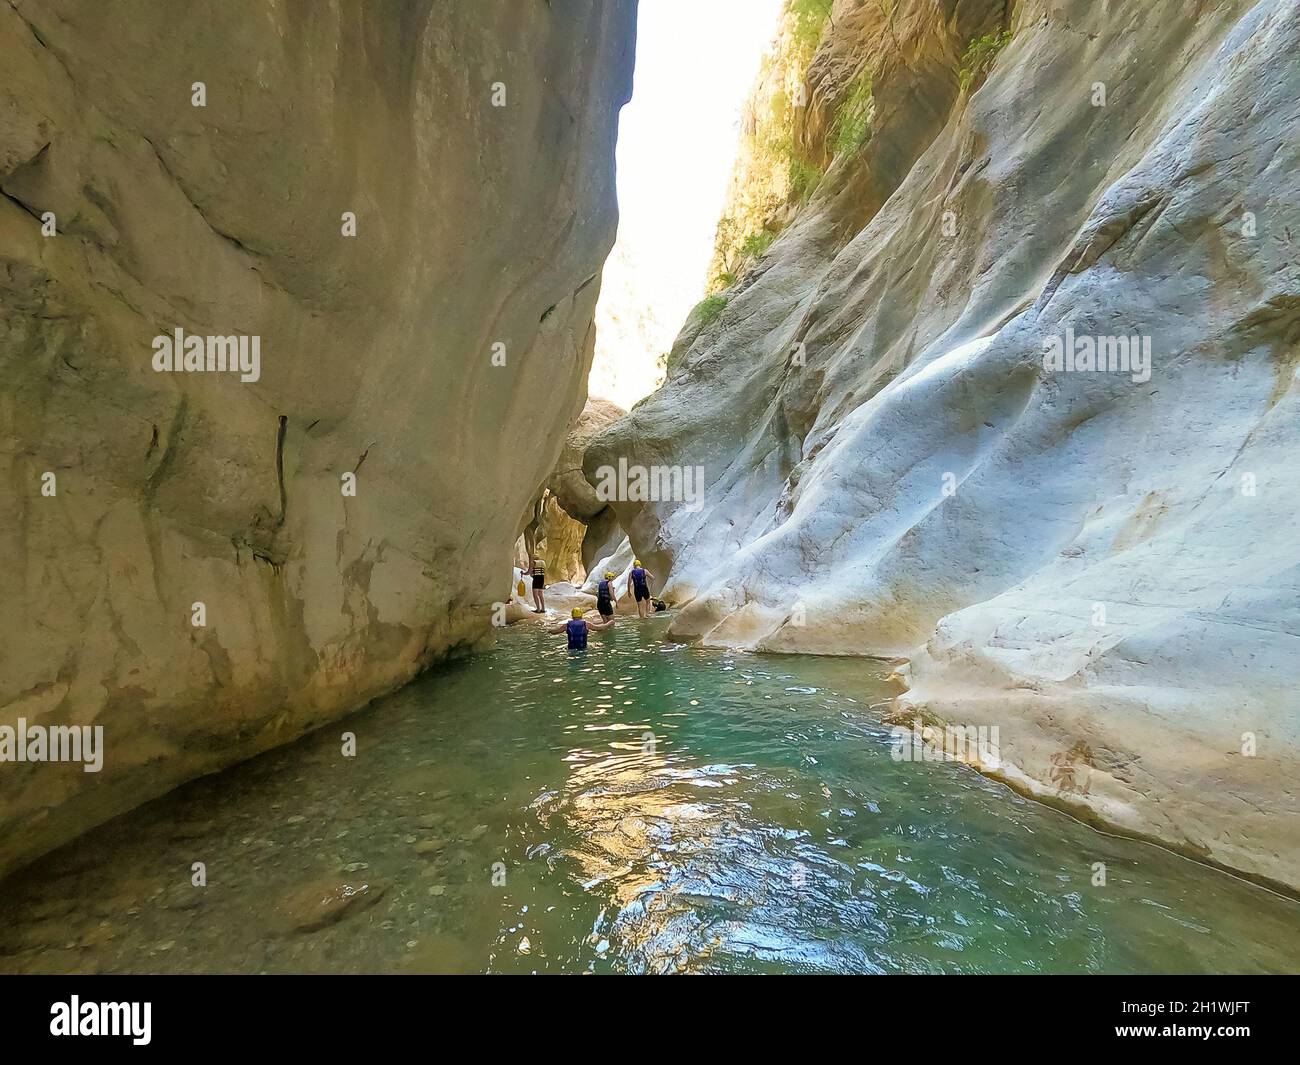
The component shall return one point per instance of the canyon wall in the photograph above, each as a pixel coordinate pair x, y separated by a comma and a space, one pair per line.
1102, 563
409, 206
567, 523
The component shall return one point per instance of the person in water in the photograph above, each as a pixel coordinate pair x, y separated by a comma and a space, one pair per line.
576, 629
538, 570
640, 577
606, 598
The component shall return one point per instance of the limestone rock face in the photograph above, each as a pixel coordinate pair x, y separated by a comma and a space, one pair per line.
618, 562
1102, 563
558, 517
602, 538
570, 488
559, 541
479, 230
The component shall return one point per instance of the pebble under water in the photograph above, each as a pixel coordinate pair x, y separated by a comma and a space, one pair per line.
645, 807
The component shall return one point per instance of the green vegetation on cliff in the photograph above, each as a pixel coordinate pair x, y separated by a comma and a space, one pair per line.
852, 123
804, 177
979, 56
708, 309
757, 243
773, 170
809, 19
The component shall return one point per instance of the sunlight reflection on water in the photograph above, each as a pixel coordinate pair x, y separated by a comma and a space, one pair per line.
645, 807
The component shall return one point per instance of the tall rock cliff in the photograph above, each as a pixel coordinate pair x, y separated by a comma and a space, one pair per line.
908, 450
408, 205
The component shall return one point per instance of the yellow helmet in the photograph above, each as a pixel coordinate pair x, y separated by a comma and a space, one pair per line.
577, 611
636, 562
609, 576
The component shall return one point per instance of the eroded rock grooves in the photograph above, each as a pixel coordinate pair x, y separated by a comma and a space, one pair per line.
1103, 566
475, 225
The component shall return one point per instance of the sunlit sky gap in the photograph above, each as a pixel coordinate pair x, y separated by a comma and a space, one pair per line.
695, 63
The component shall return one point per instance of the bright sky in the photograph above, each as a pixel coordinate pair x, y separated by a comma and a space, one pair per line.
695, 63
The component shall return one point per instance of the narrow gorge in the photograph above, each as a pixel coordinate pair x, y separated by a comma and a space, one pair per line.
949, 570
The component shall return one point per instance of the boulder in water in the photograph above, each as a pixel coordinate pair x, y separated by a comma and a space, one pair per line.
326, 901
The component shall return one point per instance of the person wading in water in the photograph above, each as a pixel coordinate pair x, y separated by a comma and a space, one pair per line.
606, 598
538, 569
641, 589
576, 629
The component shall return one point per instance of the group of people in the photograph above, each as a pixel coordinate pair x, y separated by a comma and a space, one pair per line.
607, 597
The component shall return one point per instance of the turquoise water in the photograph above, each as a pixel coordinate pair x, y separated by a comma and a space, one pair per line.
645, 807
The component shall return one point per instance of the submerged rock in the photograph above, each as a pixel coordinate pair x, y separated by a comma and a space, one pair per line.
325, 901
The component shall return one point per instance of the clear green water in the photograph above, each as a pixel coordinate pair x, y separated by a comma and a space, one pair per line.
763, 828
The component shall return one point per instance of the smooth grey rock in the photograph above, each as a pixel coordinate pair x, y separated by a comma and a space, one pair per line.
922, 486
476, 225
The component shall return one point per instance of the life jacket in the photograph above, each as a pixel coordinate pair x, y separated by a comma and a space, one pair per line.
577, 630
602, 590
638, 576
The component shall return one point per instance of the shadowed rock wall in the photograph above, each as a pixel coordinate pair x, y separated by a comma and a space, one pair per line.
475, 225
